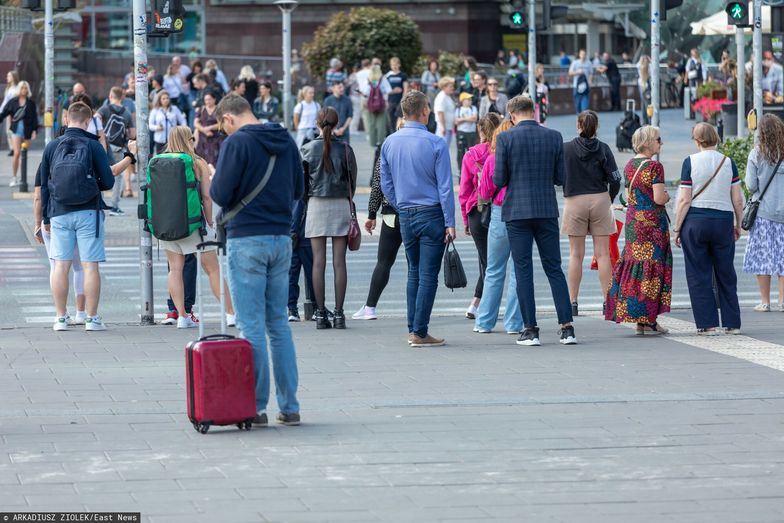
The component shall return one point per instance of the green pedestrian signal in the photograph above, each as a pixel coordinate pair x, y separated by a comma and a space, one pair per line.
737, 13
516, 17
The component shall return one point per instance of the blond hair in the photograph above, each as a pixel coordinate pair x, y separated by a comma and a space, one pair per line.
246, 73
375, 73
24, 85
644, 138
505, 126
445, 81
181, 141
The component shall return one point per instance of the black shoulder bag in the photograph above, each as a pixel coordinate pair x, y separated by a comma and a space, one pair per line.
454, 274
752, 205
224, 217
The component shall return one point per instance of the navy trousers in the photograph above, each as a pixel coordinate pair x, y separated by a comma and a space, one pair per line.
189, 282
522, 235
301, 258
708, 248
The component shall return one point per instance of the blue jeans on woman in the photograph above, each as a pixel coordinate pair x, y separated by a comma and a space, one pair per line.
259, 284
498, 254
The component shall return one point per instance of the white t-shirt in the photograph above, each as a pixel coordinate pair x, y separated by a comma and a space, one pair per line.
587, 68
307, 114
444, 104
9, 94
96, 125
465, 112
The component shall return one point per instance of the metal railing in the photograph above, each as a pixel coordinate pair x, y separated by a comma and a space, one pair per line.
15, 20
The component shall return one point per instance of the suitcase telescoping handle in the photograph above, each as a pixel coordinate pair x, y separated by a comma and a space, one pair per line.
199, 300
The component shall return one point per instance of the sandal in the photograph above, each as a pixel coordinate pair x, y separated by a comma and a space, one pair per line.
652, 330
127, 194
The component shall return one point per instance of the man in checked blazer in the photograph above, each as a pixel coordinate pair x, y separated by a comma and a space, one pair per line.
529, 163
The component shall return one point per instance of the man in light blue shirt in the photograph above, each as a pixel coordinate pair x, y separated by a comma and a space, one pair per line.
416, 178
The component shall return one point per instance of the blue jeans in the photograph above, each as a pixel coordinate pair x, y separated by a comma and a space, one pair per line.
581, 101
423, 232
498, 252
259, 284
522, 234
301, 260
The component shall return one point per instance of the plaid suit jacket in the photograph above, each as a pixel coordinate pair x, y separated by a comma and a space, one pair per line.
529, 162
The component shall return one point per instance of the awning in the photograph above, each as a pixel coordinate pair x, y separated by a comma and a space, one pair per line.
717, 24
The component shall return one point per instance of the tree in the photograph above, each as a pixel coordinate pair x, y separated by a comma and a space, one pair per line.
364, 32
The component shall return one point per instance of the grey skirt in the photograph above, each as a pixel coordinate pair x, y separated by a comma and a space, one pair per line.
327, 217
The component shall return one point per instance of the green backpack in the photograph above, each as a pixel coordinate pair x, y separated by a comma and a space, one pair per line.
172, 197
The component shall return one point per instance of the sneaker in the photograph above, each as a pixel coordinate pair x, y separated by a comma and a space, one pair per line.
365, 313
80, 318
427, 341
567, 335
340, 319
762, 307
288, 419
322, 319
171, 318
529, 337
116, 211
60, 323
513, 333
480, 330
732, 332
575, 311
13, 182
94, 324
261, 418
411, 338
231, 320
294, 315
707, 332
471, 312
185, 322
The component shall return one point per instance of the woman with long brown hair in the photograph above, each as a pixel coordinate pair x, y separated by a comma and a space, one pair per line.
330, 181
181, 141
498, 254
765, 248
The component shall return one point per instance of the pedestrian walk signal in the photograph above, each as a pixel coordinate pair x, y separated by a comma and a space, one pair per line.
737, 13
516, 18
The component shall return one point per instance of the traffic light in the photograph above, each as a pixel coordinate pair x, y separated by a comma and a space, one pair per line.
59, 5
548, 13
664, 5
737, 13
517, 19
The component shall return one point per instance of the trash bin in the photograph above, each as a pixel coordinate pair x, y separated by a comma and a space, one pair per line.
729, 114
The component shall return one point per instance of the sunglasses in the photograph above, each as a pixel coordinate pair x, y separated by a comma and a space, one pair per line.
492, 83
659, 140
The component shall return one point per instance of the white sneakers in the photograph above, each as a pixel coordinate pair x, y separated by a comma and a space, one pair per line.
186, 322
231, 320
14, 182
95, 323
365, 313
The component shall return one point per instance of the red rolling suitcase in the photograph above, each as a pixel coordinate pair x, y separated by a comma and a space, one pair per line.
221, 387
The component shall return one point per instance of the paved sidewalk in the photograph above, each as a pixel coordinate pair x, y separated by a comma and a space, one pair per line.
618, 428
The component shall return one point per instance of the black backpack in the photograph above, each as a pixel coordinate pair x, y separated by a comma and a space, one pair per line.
454, 274
114, 127
626, 129
72, 179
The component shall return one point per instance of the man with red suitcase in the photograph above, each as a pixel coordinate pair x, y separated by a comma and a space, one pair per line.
259, 244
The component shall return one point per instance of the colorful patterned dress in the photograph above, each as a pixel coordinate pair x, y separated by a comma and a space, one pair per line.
642, 279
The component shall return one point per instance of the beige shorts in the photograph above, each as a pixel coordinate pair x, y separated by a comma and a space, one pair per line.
588, 214
188, 245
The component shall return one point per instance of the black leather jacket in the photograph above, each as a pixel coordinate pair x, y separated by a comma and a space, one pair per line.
322, 184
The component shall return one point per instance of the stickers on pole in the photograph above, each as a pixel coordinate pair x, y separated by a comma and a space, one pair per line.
168, 17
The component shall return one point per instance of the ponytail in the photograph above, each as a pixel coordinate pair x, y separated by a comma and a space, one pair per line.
327, 120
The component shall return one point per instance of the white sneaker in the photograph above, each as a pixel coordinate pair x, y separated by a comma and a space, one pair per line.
94, 324
60, 323
365, 313
80, 318
185, 322
480, 330
13, 182
762, 307
231, 320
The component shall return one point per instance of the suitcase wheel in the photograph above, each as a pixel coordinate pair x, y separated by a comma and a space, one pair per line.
247, 425
201, 427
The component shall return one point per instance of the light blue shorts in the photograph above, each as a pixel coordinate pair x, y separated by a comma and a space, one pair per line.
19, 129
77, 229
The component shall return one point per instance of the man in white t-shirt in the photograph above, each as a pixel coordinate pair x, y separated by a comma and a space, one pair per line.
444, 107
581, 71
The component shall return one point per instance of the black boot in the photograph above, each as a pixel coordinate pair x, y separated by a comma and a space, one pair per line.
340, 319
322, 322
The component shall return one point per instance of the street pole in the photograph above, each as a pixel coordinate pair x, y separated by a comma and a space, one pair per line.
532, 49
142, 154
48, 70
286, 7
740, 42
655, 52
757, 61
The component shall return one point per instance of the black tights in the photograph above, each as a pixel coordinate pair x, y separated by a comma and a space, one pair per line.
479, 235
339, 246
388, 246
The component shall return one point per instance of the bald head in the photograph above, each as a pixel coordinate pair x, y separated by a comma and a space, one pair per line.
79, 88
176, 60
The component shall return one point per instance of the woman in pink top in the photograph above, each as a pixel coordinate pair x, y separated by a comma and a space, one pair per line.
473, 160
498, 252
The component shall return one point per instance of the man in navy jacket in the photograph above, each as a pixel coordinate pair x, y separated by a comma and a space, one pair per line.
529, 162
76, 225
259, 244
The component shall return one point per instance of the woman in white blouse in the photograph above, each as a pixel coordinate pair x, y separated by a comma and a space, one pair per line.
163, 118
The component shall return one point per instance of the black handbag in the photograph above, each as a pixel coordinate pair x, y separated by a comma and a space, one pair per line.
752, 206
454, 274
486, 210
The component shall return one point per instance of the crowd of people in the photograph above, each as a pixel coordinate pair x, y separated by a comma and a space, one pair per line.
303, 186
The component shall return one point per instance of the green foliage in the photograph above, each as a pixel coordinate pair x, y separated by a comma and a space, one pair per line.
704, 91
739, 149
364, 32
449, 64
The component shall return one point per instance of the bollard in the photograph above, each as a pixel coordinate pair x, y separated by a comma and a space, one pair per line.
23, 177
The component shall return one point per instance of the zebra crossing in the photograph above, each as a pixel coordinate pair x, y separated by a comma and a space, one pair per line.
24, 272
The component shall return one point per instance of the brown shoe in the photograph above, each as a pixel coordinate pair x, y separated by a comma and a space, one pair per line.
411, 338
427, 341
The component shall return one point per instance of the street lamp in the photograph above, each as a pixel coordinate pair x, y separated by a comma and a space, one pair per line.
286, 7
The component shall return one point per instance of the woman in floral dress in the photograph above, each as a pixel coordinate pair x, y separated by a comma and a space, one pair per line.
210, 138
642, 279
